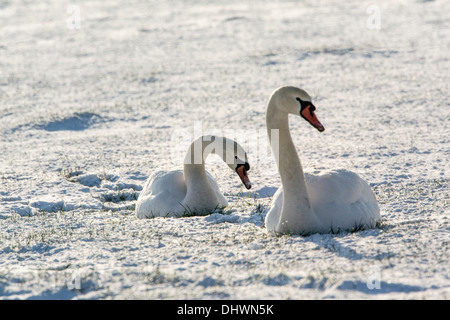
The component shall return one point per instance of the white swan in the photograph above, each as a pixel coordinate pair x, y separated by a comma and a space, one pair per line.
335, 200
192, 190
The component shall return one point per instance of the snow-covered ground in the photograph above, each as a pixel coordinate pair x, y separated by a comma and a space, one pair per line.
97, 95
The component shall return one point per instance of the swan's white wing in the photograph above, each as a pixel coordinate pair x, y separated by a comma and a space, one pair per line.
162, 194
342, 200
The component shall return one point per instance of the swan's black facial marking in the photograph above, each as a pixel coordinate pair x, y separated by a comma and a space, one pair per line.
240, 163
246, 166
307, 112
304, 105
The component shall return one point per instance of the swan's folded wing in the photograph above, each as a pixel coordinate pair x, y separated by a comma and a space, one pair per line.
163, 181
334, 186
162, 194
342, 200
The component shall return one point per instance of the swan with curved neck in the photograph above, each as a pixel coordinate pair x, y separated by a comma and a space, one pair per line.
192, 190
336, 200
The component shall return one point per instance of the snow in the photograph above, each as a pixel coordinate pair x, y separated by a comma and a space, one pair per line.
92, 104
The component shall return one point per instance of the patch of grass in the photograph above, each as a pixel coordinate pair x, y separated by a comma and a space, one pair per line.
118, 196
188, 212
68, 173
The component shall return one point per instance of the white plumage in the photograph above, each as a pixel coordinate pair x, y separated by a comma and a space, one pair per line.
331, 201
339, 198
164, 195
192, 190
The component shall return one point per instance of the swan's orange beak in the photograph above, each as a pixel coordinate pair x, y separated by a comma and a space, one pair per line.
242, 173
309, 115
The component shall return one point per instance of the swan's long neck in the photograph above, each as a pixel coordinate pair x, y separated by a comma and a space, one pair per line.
196, 179
296, 206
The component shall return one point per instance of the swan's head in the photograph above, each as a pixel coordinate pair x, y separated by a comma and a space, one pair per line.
241, 168
297, 101
231, 152
240, 163
235, 157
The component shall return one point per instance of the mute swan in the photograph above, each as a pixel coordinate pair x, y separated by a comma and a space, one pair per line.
192, 190
332, 201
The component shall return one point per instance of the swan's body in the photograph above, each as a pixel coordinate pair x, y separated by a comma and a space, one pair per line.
335, 200
192, 190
